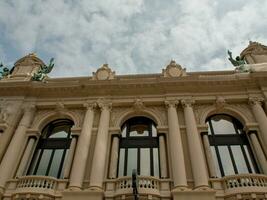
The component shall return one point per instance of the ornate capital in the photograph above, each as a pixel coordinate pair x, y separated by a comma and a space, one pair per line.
255, 100
187, 102
90, 105
171, 103
104, 104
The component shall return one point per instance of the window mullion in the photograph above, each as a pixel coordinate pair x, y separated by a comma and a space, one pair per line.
50, 163
232, 159
246, 159
219, 160
38, 162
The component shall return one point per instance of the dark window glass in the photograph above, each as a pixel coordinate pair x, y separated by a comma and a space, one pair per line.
229, 146
139, 148
52, 149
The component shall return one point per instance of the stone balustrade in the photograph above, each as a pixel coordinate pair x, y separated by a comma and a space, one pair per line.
147, 185
36, 186
245, 180
241, 186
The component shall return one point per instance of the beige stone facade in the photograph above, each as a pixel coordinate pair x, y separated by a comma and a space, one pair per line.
80, 137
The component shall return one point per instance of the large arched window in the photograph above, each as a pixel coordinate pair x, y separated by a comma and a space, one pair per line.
230, 146
139, 148
52, 149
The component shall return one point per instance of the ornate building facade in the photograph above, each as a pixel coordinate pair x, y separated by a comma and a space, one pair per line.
189, 135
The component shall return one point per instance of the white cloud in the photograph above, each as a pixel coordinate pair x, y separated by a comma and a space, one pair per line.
133, 36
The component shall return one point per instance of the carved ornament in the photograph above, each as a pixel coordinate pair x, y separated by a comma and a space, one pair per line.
173, 70
138, 104
220, 103
255, 100
171, 103
187, 102
104, 73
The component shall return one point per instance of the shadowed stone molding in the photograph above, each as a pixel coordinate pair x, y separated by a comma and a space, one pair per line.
174, 70
104, 73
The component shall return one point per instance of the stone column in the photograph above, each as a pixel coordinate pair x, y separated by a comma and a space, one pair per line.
14, 114
100, 152
163, 157
194, 143
176, 147
26, 156
259, 152
70, 157
16, 145
210, 161
114, 156
260, 116
82, 150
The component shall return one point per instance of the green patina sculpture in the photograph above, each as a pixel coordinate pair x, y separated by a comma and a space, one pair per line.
41, 74
5, 71
238, 62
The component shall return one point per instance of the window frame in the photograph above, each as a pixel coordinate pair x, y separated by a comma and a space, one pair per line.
54, 144
139, 142
239, 138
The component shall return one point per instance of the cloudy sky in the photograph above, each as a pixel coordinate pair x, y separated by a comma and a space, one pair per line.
132, 36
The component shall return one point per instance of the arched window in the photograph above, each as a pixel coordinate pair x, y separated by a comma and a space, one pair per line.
52, 149
229, 145
139, 148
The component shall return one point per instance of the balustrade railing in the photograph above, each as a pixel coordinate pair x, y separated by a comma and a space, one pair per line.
245, 180
143, 182
37, 182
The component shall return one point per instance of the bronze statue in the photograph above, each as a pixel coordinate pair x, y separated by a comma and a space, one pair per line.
5, 71
238, 62
41, 74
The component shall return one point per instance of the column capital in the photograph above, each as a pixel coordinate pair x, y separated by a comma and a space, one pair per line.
104, 105
90, 105
187, 102
171, 103
29, 107
255, 100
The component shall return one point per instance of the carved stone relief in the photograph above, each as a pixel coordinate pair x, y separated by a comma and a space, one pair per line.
173, 70
104, 73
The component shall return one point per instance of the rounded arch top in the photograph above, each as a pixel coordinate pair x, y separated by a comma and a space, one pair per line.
132, 113
227, 110
42, 120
